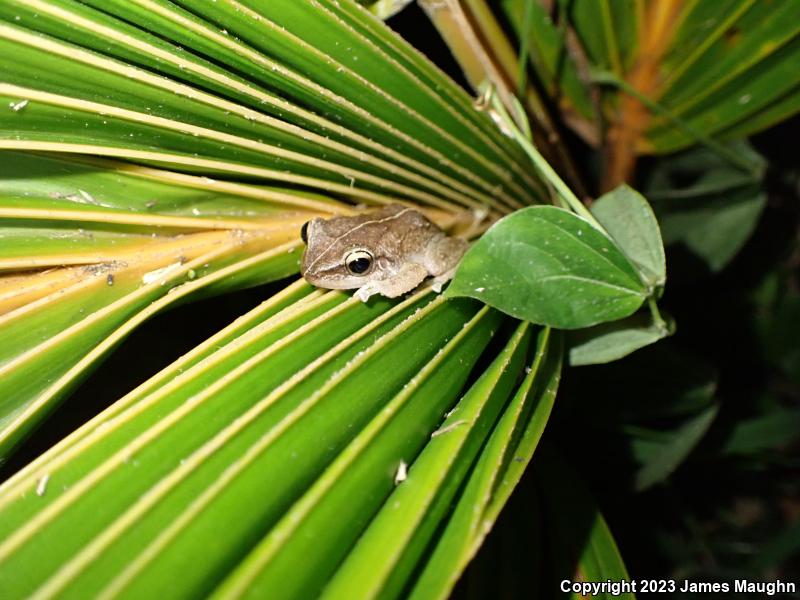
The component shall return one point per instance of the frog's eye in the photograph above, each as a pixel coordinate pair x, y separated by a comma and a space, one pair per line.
358, 262
304, 232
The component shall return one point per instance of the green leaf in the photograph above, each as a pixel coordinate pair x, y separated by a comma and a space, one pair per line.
716, 213
611, 341
295, 418
660, 457
774, 429
582, 547
713, 228
715, 70
254, 108
324, 57
305, 547
224, 422
778, 550
778, 318
549, 266
627, 217
729, 62
501, 464
677, 384
412, 513
548, 54
608, 31
119, 243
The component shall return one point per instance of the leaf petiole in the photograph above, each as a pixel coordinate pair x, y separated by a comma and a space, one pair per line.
658, 320
549, 174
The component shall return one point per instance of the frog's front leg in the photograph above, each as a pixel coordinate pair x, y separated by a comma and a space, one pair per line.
405, 280
438, 282
444, 255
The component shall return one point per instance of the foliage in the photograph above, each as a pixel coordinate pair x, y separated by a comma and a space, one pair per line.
158, 152
661, 76
546, 265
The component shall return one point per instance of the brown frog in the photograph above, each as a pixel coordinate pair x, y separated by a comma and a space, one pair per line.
389, 251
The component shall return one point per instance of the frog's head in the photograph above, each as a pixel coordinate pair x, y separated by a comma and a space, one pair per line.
349, 252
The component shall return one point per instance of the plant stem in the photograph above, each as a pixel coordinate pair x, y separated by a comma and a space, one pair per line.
658, 320
541, 164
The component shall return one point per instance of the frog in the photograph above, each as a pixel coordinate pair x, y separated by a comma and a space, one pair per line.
389, 251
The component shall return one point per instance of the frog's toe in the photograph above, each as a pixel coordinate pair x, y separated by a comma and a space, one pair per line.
364, 293
440, 280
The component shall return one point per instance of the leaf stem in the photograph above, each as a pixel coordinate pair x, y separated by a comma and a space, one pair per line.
658, 320
539, 161
564, 196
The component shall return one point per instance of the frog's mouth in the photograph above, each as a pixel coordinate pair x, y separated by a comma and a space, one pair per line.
334, 280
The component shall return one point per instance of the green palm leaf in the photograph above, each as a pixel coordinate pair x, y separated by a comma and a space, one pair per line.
719, 68
286, 397
179, 91
110, 245
165, 151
